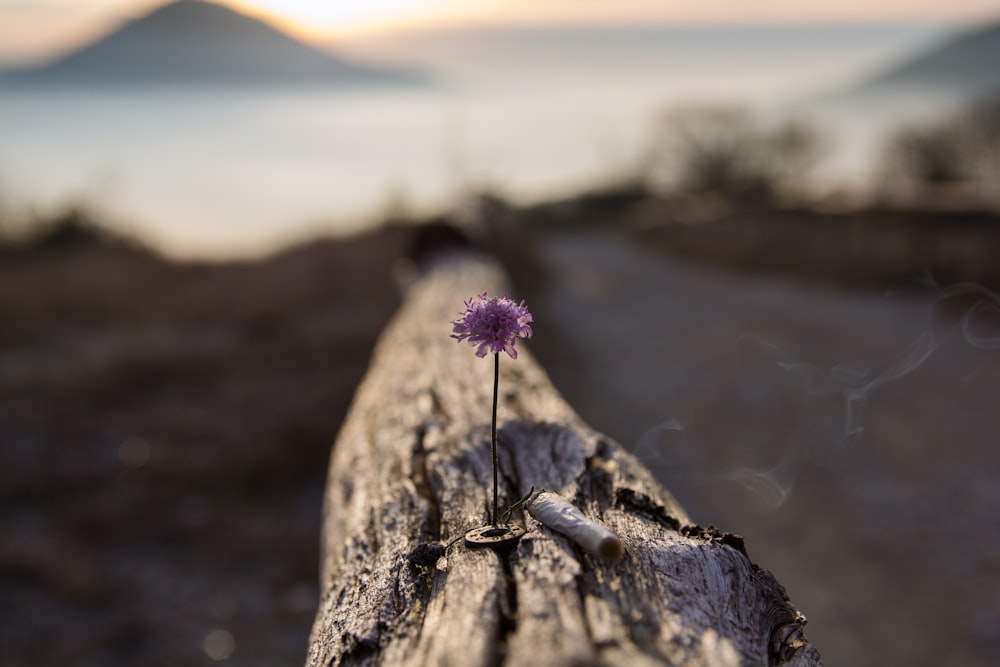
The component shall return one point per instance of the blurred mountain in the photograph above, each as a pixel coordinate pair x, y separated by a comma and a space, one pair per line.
966, 65
197, 42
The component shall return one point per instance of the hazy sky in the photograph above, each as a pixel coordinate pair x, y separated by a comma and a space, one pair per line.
33, 29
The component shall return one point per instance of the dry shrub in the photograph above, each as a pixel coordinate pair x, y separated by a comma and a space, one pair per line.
952, 163
724, 151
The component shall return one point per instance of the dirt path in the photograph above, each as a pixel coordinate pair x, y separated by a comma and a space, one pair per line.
849, 436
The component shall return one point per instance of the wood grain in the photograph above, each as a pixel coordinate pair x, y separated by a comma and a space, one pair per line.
410, 473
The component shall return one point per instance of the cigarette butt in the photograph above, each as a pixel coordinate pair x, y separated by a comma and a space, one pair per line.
555, 512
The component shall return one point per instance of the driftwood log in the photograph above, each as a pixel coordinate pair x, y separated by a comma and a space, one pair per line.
411, 472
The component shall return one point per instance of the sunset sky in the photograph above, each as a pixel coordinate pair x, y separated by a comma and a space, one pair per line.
35, 29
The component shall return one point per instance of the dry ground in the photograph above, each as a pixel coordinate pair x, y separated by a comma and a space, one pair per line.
164, 433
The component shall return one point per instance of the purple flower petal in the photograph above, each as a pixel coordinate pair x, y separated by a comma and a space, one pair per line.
492, 324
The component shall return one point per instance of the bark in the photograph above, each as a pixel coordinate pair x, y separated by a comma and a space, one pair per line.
411, 472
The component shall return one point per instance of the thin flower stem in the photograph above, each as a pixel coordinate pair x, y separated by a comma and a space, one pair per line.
496, 385
493, 325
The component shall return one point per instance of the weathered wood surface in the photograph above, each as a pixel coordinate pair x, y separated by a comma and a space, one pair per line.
411, 471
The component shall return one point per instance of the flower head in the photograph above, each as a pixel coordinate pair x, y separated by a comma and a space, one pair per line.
492, 324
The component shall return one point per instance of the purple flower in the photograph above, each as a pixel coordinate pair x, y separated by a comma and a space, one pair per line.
494, 324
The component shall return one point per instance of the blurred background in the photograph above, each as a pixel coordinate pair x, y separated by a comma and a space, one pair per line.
761, 243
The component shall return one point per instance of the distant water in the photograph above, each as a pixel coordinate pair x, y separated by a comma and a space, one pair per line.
527, 114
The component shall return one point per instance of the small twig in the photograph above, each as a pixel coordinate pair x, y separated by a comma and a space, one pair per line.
558, 514
520, 504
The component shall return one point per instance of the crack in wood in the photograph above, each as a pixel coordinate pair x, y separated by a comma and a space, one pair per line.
788, 643
713, 534
508, 609
642, 505
421, 482
595, 485
357, 651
